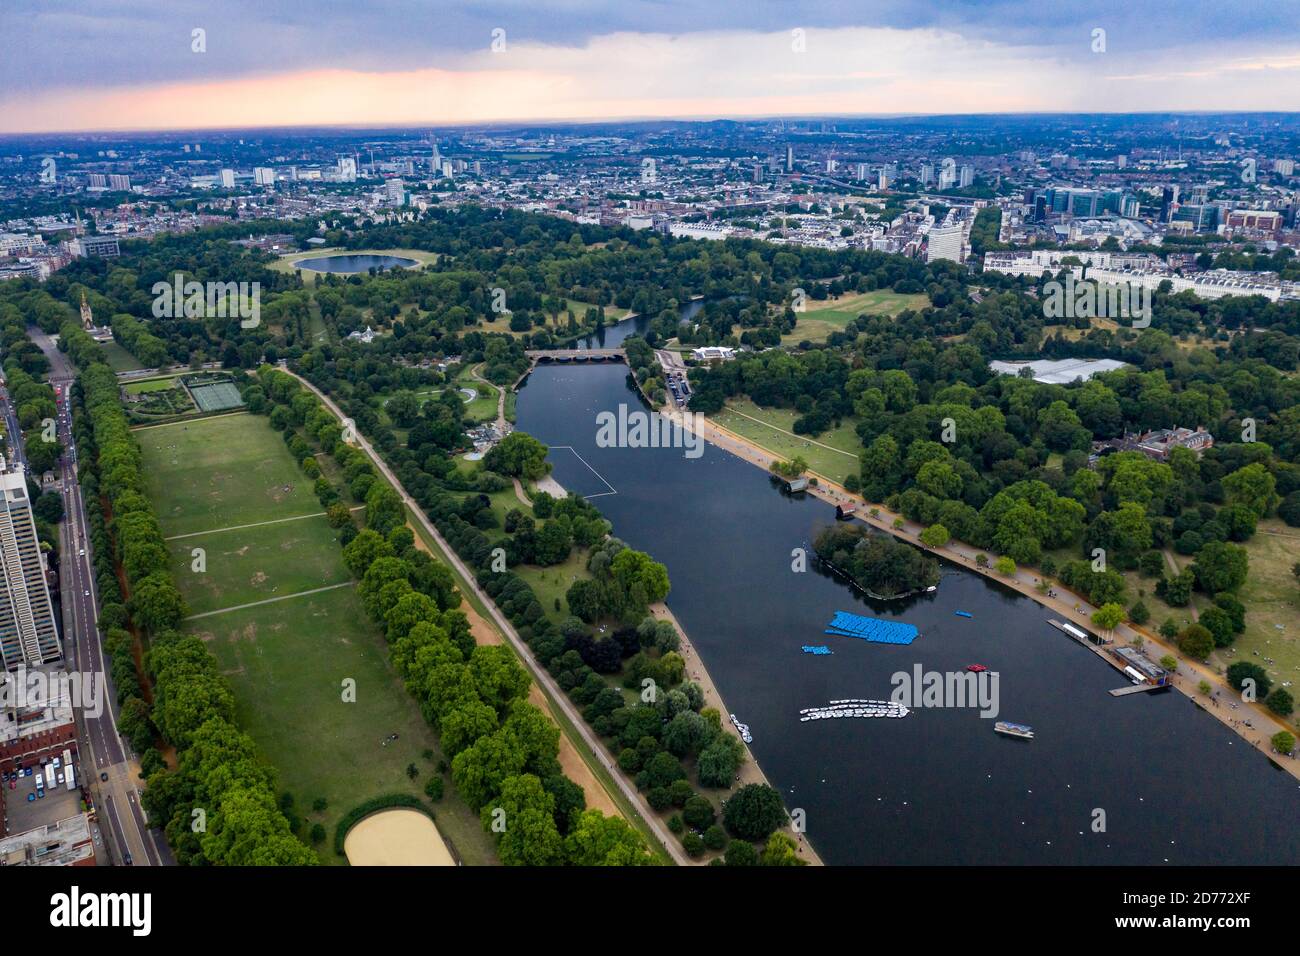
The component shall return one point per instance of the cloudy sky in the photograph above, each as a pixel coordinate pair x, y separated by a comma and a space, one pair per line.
136, 64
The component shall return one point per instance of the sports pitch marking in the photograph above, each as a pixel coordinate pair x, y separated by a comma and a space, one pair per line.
282, 597
255, 524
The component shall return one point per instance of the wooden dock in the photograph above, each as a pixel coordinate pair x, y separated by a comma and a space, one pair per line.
1085, 641
1099, 648
1136, 689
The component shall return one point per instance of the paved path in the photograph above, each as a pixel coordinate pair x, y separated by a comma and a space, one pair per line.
241, 527
558, 698
274, 600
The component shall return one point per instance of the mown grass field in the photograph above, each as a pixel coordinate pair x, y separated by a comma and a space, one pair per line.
258, 563
612, 312
483, 408
152, 385
1272, 598
218, 472
119, 359
286, 661
831, 315
552, 583
834, 453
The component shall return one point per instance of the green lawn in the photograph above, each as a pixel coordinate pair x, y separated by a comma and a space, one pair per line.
773, 432
612, 312
552, 583
1272, 598
821, 318
119, 359
484, 406
256, 564
218, 472
287, 663
151, 385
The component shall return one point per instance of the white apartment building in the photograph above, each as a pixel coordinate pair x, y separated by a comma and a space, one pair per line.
946, 242
28, 635
19, 244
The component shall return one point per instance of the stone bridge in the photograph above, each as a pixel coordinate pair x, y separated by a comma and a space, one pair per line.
575, 355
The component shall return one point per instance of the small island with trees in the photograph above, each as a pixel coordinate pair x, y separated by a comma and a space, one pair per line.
881, 565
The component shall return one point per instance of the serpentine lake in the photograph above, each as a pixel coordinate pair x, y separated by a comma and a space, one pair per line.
1167, 781
353, 263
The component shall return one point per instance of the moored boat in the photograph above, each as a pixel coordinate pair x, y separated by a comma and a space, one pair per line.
1023, 731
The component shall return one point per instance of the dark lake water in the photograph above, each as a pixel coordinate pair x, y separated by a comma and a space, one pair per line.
612, 335
354, 263
939, 786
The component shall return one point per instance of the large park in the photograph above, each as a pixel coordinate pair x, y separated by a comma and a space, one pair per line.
261, 571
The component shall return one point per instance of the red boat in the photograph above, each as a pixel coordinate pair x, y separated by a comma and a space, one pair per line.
976, 668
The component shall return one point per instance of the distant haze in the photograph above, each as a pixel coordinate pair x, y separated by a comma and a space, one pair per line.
130, 64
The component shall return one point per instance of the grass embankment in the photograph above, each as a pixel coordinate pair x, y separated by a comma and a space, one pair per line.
834, 453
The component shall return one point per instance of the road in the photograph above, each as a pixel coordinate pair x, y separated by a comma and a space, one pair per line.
540, 673
101, 748
14, 446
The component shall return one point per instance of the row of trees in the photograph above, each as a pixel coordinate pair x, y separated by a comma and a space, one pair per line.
658, 740
219, 778
503, 750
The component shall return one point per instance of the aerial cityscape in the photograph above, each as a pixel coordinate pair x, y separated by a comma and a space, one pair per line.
649, 435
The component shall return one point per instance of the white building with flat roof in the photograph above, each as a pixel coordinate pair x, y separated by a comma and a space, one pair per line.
946, 242
1060, 371
28, 634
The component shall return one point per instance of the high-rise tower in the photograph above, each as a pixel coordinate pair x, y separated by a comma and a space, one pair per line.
28, 634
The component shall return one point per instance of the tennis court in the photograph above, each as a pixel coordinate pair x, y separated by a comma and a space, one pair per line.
216, 396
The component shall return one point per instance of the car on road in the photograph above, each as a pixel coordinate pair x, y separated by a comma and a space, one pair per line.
103, 775
81, 553
86, 593
127, 859
31, 797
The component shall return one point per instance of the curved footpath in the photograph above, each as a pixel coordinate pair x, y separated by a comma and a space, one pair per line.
558, 698
1223, 702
